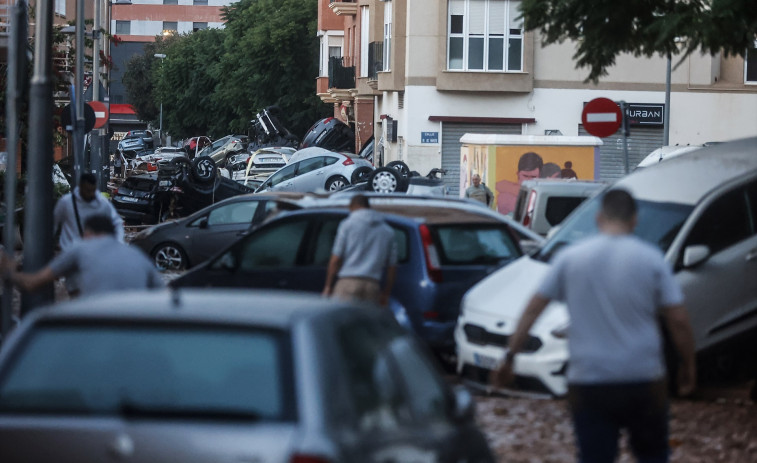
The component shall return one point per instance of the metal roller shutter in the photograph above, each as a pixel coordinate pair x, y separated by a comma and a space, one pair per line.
641, 142
451, 134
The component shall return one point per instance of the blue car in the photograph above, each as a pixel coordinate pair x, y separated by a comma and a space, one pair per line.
442, 251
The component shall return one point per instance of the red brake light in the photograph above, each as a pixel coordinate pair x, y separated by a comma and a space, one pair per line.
115, 191
308, 459
348, 161
431, 315
432, 256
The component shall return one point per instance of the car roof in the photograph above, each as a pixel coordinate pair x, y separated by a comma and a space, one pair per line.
687, 179
563, 185
310, 152
263, 308
426, 213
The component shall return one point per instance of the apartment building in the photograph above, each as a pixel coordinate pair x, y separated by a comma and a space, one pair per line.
450, 67
138, 22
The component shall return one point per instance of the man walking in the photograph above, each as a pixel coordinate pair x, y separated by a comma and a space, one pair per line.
617, 288
101, 262
364, 250
479, 191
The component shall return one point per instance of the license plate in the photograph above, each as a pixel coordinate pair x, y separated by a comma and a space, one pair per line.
485, 361
129, 199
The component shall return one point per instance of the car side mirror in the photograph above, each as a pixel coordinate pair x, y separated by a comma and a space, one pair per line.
463, 405
695, 255
529, 247
203, 223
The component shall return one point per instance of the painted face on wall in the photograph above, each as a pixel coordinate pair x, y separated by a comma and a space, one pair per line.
528, 175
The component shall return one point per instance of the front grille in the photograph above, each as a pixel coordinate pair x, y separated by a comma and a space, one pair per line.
479, 335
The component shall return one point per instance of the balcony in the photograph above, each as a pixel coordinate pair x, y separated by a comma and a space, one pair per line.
344, 8
375, 62
340, 76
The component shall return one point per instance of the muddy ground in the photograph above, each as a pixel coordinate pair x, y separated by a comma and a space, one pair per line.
719, 424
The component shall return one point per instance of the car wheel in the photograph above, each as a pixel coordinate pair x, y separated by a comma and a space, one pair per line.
204, 169
387, 180
361, 174
401, 167
336, 183
169, 256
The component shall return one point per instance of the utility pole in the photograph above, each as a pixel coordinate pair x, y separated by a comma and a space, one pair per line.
14, 93
161, 56
38, 217
78, 94
97, 154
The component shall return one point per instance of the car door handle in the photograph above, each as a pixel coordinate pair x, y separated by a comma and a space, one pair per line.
752, 255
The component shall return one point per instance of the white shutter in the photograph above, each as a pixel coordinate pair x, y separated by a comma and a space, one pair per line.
497, 17
515, 21
456, 7
477, 17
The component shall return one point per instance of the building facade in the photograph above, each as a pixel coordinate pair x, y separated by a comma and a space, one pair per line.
452, 67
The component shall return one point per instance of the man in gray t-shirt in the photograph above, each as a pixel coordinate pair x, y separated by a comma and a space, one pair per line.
363, 253
101, 262
617, 288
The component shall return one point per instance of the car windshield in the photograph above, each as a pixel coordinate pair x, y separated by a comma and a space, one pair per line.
475, 244
658, 223
153, 371
141, 184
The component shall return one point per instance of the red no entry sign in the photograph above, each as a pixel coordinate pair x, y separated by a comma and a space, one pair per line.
101, 113
601, 117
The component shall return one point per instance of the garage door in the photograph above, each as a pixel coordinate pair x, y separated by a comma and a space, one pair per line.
643, 140
451, 134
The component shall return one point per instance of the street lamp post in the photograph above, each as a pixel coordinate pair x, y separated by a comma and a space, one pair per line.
162, 56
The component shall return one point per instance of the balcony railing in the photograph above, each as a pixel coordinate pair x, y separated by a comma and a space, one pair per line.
375, 59
340, 76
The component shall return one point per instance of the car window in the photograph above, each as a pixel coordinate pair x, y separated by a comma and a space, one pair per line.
724, 223
475, 244
158, 370
324, 242
558, 207
284, 174
426, 393
273, 246
139, 184
374, 390
309, 165
329, 160
240, 212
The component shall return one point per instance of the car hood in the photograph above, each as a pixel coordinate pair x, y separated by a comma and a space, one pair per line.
136, 440
505, 293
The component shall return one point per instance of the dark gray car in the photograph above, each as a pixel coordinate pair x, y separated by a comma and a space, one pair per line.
185, 242
222, 376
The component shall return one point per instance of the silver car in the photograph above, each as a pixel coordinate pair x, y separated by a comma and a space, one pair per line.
313, 169
222, 376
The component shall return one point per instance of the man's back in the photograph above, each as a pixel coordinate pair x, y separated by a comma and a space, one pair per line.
613, 286
365, 242
105, 264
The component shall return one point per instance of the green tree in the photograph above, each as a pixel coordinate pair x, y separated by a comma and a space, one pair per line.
271, 58
602, 29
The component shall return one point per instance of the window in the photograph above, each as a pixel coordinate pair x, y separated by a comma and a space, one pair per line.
123, 27
387, 35
199, 2
309, 165
723, 224
335, 52
282, 175
170, 2
750, 65
364, 28
241, 212
60, 7
273, 247
199, 26
474, 244
170, 26
485, 35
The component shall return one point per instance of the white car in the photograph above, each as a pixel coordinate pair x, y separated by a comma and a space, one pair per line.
314, 169
699, 210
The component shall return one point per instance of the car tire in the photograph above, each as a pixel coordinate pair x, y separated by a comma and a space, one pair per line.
337, 183
387, 180
204, 169
169, 256
401, 167
361, 174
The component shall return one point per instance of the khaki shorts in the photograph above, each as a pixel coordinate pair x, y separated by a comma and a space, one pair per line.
358, 289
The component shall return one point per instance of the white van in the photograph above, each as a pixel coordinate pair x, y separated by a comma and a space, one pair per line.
699, 209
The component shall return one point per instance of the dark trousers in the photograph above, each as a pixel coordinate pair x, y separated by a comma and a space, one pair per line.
601, 411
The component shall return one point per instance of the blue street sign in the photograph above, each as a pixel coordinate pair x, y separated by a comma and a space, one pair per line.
429, 137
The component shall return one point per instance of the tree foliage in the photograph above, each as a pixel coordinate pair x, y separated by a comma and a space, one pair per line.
603, 29
214, 81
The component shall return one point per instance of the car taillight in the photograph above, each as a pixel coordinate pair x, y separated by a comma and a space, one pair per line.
300, 458
115, 191
348, 162
151, 167
431, 315
432, 256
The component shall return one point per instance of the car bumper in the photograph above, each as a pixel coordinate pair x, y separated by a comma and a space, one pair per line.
541, 371
439, 335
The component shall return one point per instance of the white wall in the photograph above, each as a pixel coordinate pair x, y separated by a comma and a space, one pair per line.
153, 28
